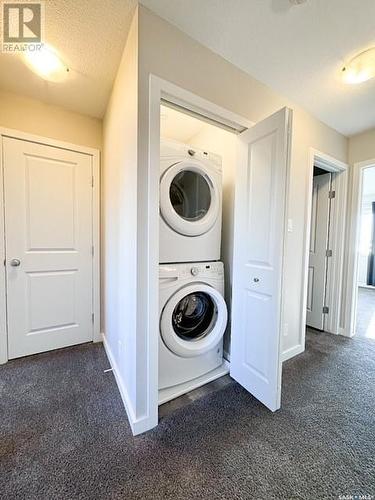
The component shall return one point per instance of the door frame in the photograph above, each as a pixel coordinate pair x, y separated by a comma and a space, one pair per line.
335, 267
95, 155
353, 240
161, 89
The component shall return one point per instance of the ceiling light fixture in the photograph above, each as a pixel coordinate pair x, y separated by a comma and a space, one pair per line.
361, 68
46, 63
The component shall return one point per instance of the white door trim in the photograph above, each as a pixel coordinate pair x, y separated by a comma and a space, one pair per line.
353, 240
158, 89
95, 154
337, 238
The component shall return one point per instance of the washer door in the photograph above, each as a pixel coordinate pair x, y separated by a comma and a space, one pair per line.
189, 198
193, 320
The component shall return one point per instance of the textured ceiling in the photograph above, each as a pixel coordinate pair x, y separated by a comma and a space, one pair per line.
297, 50
90, 36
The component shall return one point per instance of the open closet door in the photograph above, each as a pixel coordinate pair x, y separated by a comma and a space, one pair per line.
262, 168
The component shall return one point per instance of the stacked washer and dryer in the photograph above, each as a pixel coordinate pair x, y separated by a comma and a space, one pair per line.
193, 313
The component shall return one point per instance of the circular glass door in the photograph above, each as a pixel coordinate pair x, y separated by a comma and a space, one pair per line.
193, 316
193, 320
189, 198
190, 195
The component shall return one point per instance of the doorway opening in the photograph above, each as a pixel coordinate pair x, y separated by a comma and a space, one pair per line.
262, 166
364, 270
193, 199
328, 187
320, 252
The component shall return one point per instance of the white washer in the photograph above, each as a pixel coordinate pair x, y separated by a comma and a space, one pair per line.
190, 204
193, 318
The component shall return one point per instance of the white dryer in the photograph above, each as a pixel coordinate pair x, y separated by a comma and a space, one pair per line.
190, 204
193, 318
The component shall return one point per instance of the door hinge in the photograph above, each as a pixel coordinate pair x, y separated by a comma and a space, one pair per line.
92, 250
92, 181
92, 317
328, 253
325, 310
331, 195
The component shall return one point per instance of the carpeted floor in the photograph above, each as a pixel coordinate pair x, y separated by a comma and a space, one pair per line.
64, 434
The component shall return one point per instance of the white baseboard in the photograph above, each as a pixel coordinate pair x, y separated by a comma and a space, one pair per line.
291, 352
98, 337
344, 332
137, 425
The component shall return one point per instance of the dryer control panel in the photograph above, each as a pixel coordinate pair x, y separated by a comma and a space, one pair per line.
201, 154
173, 150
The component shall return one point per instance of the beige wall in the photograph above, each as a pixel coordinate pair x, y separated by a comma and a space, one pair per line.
170, 54
362, 147
119, 221
36, 117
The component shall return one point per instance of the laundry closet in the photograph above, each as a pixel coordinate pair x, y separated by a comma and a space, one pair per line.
221, 230
197, 169
202, 289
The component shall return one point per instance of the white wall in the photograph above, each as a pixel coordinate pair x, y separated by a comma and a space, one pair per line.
36, 117
170, 54
119, 228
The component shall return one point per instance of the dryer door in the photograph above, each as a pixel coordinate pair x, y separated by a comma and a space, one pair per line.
189, 198
193, 320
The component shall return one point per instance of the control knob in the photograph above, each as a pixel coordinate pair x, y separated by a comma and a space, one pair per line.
194, 271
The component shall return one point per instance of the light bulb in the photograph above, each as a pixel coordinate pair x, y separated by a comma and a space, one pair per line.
361, 68
46, 63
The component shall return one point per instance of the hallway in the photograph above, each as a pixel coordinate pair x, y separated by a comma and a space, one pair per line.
365, 327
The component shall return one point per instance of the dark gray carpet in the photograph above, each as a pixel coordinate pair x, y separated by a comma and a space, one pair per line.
365, 326
64, 434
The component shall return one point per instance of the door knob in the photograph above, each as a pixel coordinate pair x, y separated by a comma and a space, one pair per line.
256, 280
15, 262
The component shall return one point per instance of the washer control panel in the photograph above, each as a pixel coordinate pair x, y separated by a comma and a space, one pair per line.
196, 269
205, 269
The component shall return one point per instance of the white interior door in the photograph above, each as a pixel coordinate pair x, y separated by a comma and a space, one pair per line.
48, 233
317, 275
263, 162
